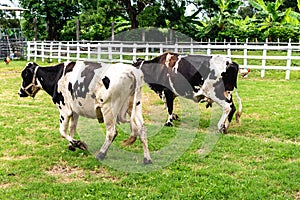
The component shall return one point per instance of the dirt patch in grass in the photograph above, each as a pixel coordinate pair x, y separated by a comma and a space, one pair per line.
297, 195
5, 185
66, 174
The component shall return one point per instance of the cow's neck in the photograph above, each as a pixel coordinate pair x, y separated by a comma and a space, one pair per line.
48, 78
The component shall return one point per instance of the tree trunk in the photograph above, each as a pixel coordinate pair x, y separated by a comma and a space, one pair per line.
132, 13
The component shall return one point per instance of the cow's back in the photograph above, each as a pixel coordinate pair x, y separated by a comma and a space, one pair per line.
90, 85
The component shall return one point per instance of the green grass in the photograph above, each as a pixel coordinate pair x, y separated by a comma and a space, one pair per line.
258, 159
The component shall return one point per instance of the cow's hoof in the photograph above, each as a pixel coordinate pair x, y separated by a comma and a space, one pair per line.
223, 129
175, 117
79, 144
170, 124
146, 161
100, 156
71, 147
82, 145
208, 105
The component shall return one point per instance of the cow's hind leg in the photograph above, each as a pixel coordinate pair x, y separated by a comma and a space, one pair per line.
240, 107
111, 132
138, 129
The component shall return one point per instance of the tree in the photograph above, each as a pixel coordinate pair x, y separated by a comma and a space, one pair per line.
270, 18
53, 13
210, 8
133, 9
96, 19
226, 10
8, 19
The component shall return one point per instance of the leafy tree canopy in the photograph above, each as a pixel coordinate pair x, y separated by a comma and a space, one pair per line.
222, 19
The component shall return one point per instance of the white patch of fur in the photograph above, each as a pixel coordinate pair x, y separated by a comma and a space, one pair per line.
218, 63
175, 68
172, 85
168, 58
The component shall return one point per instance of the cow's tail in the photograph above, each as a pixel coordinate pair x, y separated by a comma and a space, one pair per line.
239, 112
136, 118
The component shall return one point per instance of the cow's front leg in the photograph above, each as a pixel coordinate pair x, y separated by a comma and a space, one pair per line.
223, 123
170, 103
63, 128
75, 143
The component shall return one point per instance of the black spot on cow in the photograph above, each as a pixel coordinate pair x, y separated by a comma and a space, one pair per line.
79, 103
101, 100
106, 82
80, 89
138, 103
93, 65
219, 89
70, 67
58, 98
212, 75
60, 120
62, 117
70, 88
93, 96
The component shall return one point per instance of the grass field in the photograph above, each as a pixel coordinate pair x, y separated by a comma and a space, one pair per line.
258, 158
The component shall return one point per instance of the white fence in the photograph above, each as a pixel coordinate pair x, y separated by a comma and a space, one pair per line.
285, 56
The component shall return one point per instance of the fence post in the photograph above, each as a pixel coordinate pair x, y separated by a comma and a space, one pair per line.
43, 52
121, 52
147, 51
176, 48
68, 51
288, 61
77, 51
28, 51
264, 58
110, 57
51, 48
245, 54
161, 49
134, 51
99, 52
59, 52
208, 51
89, 51
35, 51
228, 50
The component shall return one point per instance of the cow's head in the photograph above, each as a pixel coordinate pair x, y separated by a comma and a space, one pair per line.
230, 75
138, 63
29, 86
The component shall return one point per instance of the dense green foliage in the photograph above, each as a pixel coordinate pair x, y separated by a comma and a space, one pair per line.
257, 159
221, 19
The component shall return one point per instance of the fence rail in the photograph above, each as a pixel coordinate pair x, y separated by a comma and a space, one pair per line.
284, 56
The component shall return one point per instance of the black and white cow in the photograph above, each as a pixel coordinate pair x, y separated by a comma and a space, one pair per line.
106, 92
197, 77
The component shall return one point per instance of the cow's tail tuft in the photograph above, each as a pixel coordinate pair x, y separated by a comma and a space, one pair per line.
239, 112
129, 141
